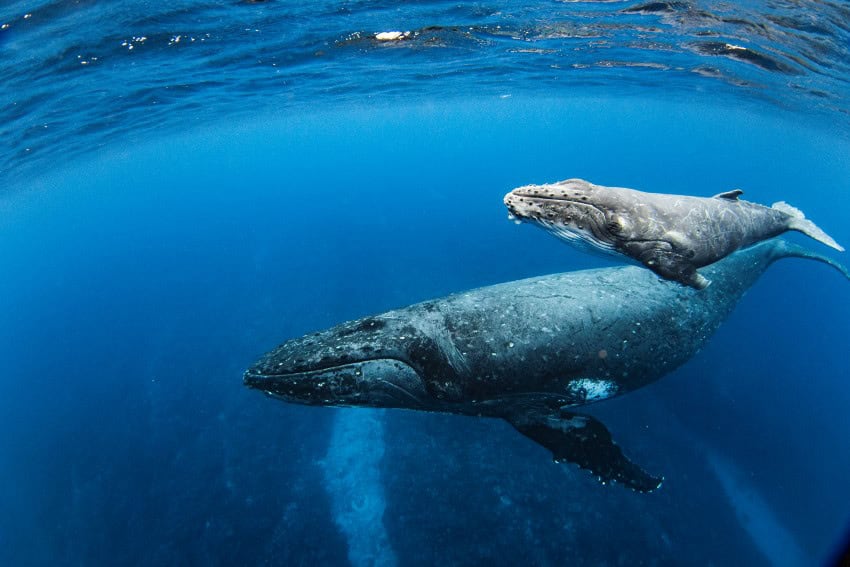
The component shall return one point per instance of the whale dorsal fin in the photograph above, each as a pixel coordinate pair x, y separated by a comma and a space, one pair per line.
729, 195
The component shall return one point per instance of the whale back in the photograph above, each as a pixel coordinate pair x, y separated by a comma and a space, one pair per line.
581, 336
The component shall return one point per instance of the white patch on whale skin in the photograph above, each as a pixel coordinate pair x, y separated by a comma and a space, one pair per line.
392, 35
592, 389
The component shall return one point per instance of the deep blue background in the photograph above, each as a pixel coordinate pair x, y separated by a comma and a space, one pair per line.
138, 285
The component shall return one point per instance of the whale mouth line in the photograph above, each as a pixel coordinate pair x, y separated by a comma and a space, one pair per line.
373, 382
251, 375
403, 391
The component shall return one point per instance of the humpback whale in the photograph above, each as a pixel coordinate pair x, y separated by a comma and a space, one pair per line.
672, 235
528, 351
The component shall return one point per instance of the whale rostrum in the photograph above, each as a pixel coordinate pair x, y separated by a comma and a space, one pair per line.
528, 351
672, 235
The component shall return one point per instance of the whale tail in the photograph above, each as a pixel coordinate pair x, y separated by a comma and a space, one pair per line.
781, 248
801, 223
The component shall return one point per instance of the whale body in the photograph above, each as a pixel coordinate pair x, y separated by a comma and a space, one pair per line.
528, 351
672, 235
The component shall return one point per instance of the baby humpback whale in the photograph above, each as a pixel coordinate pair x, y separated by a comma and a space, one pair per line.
672, 235
527, 351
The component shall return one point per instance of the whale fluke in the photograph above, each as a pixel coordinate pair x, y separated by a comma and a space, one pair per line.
783, 249
800, 223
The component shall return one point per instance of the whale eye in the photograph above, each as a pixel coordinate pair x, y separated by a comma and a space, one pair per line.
614, 226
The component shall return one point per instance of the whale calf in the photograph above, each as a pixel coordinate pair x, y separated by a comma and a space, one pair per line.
527, 351
672, 235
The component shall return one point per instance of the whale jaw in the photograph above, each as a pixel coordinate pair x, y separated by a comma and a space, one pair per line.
359, 363
378, 383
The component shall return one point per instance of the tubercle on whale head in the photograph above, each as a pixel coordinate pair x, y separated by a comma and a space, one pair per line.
569, 190
571, 209
360, 363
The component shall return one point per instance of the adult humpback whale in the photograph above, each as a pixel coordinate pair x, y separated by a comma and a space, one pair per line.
527, 351
672, 235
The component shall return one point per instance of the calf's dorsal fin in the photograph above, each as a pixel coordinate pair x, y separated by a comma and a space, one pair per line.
729, 195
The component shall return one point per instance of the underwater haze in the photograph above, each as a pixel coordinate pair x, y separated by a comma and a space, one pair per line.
183, 186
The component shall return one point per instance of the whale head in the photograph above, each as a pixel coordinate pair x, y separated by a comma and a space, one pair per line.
368, 363
574, 210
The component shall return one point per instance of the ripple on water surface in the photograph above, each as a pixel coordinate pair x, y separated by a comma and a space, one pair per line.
80, 75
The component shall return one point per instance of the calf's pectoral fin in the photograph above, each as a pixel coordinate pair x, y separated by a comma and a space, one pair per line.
696, 280
669, 260
682, 272
585, 441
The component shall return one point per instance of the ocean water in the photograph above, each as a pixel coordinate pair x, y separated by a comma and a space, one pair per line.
186, 185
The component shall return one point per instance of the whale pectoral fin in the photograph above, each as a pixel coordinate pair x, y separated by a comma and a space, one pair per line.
585, 441
729, 195
685, 274
680, 271
699, 281
669, 260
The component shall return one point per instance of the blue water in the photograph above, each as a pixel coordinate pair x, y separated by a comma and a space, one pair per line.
189, 205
